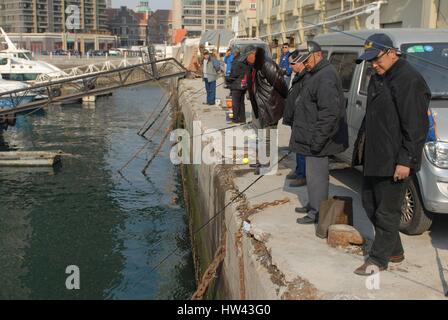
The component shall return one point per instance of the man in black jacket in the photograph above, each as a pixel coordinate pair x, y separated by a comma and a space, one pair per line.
267, 89
267, 92
319, 128
300, 75
390, 145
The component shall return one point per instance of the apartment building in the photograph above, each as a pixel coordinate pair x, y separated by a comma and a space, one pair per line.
40, 25
40, 16
244, 22
130, 27
160, 27
197, 16
300, 20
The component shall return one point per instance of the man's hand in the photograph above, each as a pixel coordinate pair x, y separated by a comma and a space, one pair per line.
401, 173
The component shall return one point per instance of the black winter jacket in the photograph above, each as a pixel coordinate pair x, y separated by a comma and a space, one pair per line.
240, 70
396, 124
269, 90
294, 91
320, 118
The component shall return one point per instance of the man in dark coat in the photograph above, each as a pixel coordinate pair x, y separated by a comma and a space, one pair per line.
267, 88
267, 92
238, 86
319, 128
300, 75
390, 145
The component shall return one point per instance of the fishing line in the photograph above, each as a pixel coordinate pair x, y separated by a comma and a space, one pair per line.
239, 195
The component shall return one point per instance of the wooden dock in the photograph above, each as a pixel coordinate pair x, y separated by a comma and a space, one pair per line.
29, 158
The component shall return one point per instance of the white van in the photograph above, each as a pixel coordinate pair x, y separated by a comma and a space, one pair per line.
427, 51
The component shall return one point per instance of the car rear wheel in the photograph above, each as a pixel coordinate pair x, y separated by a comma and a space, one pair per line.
414, 218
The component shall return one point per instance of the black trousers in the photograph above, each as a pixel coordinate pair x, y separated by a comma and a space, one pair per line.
238, 106
382, 199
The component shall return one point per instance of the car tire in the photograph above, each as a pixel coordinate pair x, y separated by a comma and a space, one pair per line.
415, 220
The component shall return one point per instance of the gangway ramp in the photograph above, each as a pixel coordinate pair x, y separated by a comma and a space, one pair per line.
92, 81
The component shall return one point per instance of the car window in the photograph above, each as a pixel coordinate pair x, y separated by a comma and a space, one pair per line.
241, 47
344, 62
365, 78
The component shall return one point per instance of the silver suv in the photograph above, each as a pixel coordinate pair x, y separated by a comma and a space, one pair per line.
427, 51
242, 43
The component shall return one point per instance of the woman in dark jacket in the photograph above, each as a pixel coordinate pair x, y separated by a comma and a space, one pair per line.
238, 87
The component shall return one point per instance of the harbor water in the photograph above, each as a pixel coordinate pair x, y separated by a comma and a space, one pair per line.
83, 213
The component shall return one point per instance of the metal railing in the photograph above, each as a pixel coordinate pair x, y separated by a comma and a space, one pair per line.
95, 80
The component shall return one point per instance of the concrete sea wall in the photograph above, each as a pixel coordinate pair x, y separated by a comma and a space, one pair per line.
273, 257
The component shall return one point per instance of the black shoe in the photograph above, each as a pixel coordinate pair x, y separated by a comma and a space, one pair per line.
255, 165
306, 220
302, 210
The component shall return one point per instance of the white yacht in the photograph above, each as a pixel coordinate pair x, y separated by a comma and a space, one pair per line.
8, 101
11, 101
19, 65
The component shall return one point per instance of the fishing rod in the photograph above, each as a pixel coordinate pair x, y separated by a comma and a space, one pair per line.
162, 142
164, 138
239, 195
158, 105
217, 130
145, 145
152, 113
383, 45
195, 95
142, 133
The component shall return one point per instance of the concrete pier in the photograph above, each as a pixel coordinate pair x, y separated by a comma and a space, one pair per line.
275, 258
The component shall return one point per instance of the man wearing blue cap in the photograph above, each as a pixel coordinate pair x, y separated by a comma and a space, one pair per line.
389, 145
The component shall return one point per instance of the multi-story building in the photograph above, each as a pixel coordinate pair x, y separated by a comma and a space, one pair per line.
129, 26
299, 20
41, 25
160, 27
197, 16
244, 22
40, 16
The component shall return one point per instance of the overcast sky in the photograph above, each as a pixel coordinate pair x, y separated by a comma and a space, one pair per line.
154, 4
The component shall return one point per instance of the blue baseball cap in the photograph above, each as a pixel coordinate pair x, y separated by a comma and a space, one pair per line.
374, 45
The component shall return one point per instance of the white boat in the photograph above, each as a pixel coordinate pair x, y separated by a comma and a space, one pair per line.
8, 101
11, 101
19, 65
